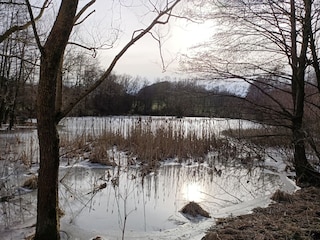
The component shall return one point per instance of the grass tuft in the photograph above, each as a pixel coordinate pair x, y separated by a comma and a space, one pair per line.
195, 210
280, 196
265, 136
31, 183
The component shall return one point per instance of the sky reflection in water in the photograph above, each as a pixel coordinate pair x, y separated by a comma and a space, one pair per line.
152, 203
141, 204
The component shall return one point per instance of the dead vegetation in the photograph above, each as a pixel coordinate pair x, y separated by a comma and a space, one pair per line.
281, 196
99, 154
294, 217
146, 145
31, 183
266, 136
194, 210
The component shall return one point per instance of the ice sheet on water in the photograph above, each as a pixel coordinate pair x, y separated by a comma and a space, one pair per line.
155, 200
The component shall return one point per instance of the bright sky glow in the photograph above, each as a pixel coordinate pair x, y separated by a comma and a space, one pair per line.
142, 59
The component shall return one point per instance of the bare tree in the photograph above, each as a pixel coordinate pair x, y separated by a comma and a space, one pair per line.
48, 115
14, 7
266, 42
17, 59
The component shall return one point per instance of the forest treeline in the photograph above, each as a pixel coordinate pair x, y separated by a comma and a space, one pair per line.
124, 95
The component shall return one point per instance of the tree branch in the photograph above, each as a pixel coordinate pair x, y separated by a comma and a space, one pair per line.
33, 23
165, 12
16, 28
85, 47
20, 58
78, 23
89, 4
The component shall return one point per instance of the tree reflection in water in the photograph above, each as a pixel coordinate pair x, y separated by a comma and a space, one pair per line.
155, 204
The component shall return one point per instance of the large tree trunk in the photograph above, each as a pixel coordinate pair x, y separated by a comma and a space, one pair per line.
51, 54
305, 173
47, 219
59, 88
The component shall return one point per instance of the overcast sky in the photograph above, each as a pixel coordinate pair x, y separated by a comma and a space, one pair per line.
143, 58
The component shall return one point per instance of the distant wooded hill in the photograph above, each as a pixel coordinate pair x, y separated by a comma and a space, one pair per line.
181, 98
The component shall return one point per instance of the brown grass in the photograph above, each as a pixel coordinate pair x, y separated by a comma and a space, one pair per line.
280, 196
164, 144
194, 209
146, 145
31, 183
25, 159
264, 136
99, 154
294, 219
31, 237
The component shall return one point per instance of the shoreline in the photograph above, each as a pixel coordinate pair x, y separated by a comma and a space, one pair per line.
298, 217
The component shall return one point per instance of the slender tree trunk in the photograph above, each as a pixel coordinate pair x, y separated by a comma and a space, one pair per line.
313, 44
51, 54
305, 173
47, 219
18, 83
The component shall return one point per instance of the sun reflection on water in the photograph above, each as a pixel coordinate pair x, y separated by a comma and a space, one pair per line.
193, 192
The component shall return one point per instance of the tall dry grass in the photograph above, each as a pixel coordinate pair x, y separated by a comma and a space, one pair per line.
145, 143
265, 136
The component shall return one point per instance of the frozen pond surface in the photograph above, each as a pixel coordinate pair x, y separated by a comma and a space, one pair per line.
110, 202
152, 203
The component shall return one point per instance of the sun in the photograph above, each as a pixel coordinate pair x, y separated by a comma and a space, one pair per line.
192, 192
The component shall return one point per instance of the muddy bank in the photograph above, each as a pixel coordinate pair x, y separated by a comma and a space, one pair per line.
298, 217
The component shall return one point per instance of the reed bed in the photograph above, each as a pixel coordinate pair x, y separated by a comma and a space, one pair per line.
265, 136
146, 140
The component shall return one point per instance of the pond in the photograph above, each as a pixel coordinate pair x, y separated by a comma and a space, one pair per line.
152, 203
117, 202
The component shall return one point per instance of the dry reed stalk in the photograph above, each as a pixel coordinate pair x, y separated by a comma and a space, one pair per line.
99, 154
264, 136
31, 183
150, 142
25, 159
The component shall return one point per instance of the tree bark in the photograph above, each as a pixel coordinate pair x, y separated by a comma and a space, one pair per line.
305, 173
51, 54
59, 88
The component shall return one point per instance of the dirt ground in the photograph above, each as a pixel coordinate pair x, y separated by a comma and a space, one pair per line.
294, 216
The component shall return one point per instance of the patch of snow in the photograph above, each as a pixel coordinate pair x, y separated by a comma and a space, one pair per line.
235, 87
